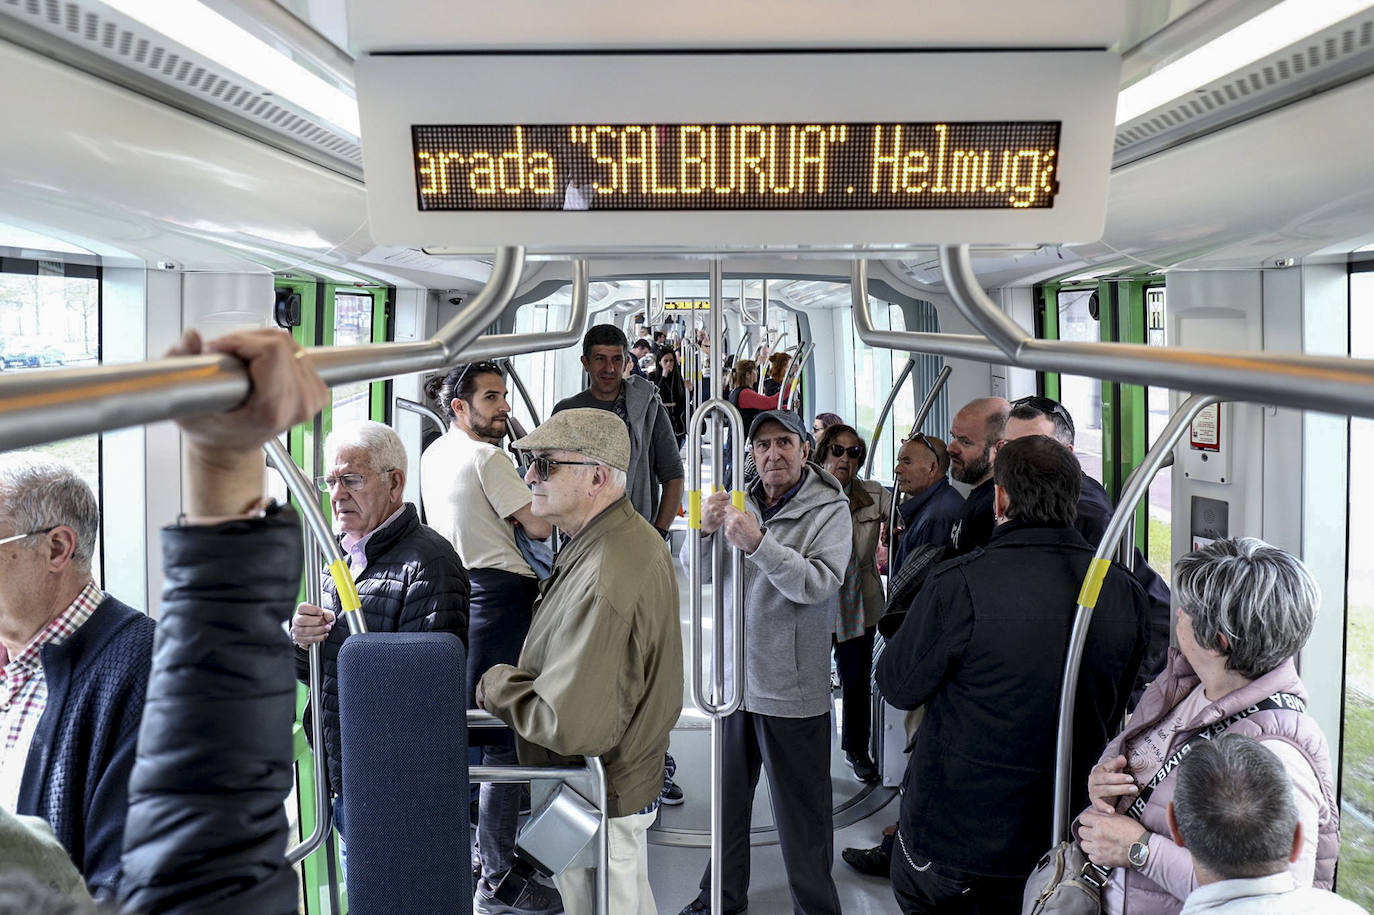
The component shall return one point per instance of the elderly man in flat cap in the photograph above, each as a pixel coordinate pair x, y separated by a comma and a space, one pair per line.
601, 670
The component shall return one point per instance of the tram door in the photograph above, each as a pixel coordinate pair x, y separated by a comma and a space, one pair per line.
328, 314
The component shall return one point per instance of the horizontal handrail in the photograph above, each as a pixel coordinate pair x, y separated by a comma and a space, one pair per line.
39, 407
1331, 384
424, 410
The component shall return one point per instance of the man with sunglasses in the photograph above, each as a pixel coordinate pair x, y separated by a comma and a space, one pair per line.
655, 462
1036, 415
75, 669
408, 576
932, 506
601, 670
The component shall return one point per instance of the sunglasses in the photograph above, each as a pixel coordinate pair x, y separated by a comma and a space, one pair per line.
12, 539
1046, 406
855, 451
543, 466
921, 437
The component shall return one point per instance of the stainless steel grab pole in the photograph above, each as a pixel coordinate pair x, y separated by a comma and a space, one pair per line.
38, 407
520, 387
304, 490
882, 414
414, 406
1087, 598
323, 810
1331, 384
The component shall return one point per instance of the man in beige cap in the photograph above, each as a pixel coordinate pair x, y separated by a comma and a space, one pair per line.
601, 670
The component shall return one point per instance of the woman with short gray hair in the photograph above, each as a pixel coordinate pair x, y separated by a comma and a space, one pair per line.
1243, 611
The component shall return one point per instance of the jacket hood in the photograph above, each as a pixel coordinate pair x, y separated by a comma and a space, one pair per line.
818, 488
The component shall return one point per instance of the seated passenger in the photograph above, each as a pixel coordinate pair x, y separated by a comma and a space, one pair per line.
1233, 809
75, 668
600, 673
207, 829
861, 593
1244, 610
797, 538
408, 576
983, 648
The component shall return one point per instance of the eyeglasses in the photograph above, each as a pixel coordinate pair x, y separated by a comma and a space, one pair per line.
350, 481
854, 451
11, 539
1046, 406
543, 466
921, 437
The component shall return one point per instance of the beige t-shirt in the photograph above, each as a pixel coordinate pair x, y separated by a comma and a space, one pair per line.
470, 489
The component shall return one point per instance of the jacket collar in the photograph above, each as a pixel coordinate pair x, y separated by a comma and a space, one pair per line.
1019, 533
817, 488
858, 496
388, 535
912, 506
596, 530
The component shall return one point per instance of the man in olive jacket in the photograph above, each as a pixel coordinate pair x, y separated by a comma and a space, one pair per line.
601, 670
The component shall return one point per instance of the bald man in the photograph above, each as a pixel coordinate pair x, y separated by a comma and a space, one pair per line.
932, 506
973, 435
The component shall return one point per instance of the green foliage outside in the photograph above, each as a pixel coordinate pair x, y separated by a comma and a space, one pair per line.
1355, 873
1160, 534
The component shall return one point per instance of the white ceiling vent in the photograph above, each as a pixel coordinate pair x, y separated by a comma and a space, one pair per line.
1324, 60
101, 41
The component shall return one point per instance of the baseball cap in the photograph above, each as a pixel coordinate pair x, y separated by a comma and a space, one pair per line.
786, 418
598, 434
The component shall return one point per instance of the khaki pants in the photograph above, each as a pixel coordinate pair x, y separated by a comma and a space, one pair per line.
630, 893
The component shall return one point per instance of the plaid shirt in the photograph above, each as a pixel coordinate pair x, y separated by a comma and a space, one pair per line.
24, 690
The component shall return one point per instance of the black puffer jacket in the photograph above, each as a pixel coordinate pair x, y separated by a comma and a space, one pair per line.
414, 582
206, 830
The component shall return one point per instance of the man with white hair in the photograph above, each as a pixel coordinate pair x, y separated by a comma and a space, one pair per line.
75, 669
409, 578
601, 670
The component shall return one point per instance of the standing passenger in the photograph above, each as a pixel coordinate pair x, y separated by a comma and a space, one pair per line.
934, 506
796, 536
601, 671
474, 496
654, 458
75, 668
409, 578
973, 435
861, 593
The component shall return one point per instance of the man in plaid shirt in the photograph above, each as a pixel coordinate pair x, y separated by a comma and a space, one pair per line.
73, 669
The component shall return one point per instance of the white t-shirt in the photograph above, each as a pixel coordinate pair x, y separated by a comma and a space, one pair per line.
470, 489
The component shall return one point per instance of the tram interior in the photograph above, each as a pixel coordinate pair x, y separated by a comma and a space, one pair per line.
147, 186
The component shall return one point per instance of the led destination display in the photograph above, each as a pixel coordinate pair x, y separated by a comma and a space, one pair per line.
1006, 165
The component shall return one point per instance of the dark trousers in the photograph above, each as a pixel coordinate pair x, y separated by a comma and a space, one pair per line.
924, 886
854, 663
796, 753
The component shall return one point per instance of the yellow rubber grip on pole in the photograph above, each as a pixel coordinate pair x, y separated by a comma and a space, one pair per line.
1092, 585
737, 499
694, 509
343, 583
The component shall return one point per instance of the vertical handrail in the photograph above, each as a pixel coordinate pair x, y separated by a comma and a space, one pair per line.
882, 414
304, 491
921, 413
1125, 553
720, 704
520, 387
323, 810
1092, 584
603, 836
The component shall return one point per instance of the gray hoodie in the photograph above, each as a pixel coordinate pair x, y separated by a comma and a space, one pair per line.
791, 588
654, 458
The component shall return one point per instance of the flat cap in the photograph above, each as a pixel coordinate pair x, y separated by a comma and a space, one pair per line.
597, 434
788, 419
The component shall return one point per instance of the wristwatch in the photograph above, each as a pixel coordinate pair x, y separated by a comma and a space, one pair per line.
664, 534
1139, 853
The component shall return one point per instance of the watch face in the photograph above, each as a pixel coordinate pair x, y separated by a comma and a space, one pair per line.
1138, 853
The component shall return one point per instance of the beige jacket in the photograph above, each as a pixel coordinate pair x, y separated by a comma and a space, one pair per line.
869, 506
601, 670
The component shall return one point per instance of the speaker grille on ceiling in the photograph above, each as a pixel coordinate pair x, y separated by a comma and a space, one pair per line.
1325, 60
133, 46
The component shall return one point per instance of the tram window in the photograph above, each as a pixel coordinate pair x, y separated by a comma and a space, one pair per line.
49, 319
1355, 879
352, 325
1160, 510
549, 376
1081, 396
873, 374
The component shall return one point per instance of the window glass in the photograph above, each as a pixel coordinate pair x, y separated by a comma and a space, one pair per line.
49, 320
352, 326
1160, 517
1081, 396
1355, 879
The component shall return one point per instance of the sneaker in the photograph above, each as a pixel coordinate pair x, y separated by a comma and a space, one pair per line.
864, 768
534, 899
671, 796
876, 862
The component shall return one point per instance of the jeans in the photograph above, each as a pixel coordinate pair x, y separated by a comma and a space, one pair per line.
924, 886
498, 812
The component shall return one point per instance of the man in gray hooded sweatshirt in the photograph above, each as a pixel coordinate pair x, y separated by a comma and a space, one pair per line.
654, 458
796, 536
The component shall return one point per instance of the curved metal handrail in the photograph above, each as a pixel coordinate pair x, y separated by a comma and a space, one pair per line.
428, 412
324, 811
495, 346
882, 414
520, 388
41, 407
1087, 597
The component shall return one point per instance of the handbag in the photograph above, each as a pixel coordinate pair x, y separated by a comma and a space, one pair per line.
1065, 882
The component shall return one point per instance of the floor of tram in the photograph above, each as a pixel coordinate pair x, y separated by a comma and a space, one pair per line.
679, 841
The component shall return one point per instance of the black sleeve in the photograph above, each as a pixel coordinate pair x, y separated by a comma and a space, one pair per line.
927, 647
206, 830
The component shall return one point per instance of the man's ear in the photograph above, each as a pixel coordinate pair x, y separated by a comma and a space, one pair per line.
1297, 844
1000, 501
1178, 836
61, 547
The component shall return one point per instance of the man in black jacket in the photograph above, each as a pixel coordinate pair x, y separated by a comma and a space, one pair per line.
973, 436
409, 577
983, 649
74, 663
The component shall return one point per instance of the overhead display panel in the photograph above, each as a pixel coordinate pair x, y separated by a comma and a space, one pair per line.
737, 150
